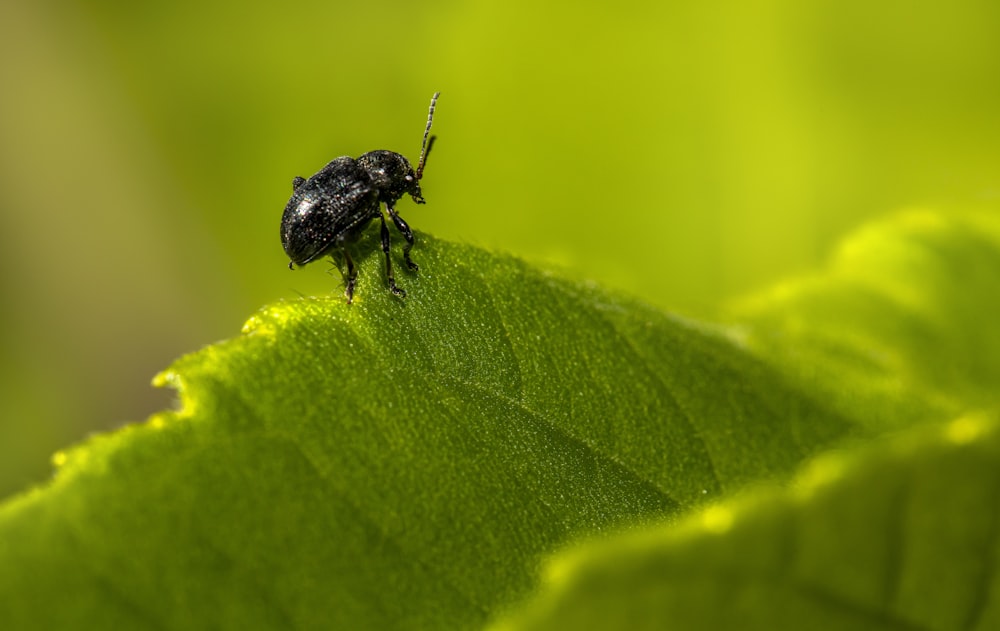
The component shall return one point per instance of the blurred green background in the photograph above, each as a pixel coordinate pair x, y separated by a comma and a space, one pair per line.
681, 151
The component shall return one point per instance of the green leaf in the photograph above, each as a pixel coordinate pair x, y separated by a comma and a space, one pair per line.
410, 464
900, 534
900, 327
903, 534
399, 464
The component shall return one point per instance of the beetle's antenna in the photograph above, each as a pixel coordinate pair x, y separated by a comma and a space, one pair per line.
425, 146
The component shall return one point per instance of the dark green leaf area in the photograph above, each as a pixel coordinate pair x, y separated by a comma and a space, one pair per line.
899, 535
401, 464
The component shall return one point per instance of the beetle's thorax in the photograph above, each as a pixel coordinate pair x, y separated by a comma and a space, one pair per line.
391, 174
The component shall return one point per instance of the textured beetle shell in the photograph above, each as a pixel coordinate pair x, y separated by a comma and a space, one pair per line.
327, 210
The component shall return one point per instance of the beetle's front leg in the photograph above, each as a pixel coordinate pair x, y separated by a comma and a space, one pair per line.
388, 259
404, 228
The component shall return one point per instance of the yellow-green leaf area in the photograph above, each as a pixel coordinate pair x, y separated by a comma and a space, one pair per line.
900, 325
412, 464
400, 464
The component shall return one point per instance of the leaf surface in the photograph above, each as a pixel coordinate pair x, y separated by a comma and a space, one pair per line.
903, 534
401, 464
411, 464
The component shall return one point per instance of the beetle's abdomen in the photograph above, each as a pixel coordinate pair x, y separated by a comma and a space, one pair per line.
327, 209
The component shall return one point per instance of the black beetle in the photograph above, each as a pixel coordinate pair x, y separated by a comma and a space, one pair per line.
331, 209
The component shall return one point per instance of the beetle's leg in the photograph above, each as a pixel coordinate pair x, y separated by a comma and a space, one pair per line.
404, 228
388, 259
352, 276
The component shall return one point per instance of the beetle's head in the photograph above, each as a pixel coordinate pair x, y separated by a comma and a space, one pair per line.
392, 175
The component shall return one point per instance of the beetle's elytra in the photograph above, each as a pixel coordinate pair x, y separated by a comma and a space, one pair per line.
331, 209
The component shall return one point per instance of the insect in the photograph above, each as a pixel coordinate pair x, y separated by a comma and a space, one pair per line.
330, 210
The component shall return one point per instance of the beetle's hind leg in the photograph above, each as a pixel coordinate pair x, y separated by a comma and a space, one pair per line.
388, 259
351, 277
404, 229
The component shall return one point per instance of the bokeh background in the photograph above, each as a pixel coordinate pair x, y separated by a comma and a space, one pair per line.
682, 151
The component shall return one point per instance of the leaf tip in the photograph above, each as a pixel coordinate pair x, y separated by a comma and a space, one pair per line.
167, 378
184, 405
